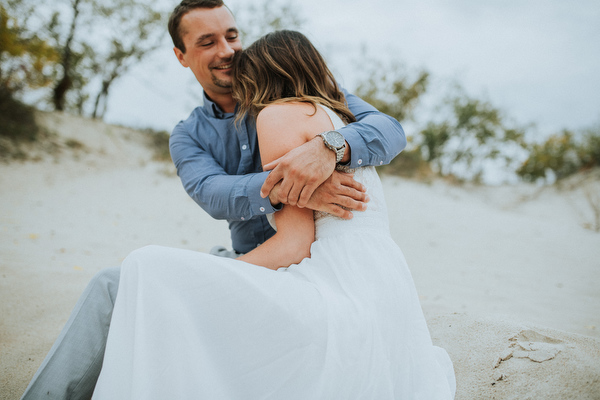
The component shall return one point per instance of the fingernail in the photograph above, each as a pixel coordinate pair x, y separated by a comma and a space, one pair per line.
367, 198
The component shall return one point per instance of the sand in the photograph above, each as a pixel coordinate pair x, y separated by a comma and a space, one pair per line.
509, 277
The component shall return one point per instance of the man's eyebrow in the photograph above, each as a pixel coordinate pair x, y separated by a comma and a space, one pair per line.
234, 30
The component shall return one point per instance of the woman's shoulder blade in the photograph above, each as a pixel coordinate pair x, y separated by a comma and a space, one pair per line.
286, 111
293, 116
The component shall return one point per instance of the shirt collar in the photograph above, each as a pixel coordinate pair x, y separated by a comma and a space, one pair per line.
213, 109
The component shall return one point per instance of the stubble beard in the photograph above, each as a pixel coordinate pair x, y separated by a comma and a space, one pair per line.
225, 84
221, 83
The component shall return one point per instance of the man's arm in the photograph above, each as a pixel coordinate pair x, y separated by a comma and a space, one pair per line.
222, 196
375, 138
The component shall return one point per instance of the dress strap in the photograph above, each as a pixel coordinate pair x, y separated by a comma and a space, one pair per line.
335, 119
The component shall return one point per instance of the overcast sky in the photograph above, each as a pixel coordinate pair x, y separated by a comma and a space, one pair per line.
538, 61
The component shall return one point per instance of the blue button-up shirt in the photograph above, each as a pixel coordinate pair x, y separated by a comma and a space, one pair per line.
219, 164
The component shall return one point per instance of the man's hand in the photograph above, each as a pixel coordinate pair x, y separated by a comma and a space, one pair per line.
301, 172
340, 189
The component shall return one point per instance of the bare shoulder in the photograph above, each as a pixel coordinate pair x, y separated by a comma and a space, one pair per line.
296, 118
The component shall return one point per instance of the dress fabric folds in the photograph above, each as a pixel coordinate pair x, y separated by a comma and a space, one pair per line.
345, 323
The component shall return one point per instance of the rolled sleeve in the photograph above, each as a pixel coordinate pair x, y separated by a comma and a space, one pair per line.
258, 205
358, 147
375, 138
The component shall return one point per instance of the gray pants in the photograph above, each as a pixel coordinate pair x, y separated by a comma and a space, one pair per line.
71, 368
73, 364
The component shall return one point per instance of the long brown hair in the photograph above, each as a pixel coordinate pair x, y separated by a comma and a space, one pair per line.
284, 66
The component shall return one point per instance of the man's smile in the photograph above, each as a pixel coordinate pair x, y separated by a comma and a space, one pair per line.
224, 66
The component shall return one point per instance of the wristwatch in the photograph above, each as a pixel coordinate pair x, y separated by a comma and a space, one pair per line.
335, 142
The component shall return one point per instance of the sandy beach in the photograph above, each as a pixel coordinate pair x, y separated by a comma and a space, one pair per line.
508, 276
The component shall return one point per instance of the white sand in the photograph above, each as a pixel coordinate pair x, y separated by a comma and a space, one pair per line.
503, 273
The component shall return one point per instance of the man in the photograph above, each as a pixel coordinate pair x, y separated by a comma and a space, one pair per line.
219, 165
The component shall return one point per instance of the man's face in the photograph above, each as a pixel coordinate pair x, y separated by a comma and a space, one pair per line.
211, 39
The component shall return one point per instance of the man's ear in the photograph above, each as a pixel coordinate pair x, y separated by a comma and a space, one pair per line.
180, 57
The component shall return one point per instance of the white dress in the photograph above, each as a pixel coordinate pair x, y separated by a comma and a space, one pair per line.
343, 324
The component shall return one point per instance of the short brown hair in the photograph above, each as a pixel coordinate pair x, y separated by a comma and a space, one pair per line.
284, 66
183, 8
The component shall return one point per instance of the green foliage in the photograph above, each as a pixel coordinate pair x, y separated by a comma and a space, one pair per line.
94, 42
473, 135
24, 60
17, 120
391, 91
433, 139
131, 39
564, 154
24, 56
158, 141
410, 164
589, 150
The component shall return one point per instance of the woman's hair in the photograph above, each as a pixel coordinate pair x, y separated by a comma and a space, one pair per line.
280, 67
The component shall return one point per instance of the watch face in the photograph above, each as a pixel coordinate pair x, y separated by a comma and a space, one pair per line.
335, 139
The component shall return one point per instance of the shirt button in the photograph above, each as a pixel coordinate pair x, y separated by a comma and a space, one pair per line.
360, 161
243, 219
262, 209
380, 162
244, 147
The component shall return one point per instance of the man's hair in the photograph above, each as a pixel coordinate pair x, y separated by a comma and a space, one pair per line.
284, 66
183, 8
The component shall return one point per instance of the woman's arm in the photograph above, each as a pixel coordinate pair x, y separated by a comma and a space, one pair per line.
374, 139
281, 128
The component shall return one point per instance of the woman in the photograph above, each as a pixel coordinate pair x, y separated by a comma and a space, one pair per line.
334, 315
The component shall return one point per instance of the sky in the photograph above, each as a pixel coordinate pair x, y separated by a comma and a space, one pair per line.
538, 61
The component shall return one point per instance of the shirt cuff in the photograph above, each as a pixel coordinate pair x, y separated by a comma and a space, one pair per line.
357, 145
258, 205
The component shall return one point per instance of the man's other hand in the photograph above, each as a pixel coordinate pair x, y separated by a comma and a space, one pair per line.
301, 172
340, 189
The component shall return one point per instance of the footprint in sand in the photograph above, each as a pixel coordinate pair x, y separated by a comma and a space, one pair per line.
533, 345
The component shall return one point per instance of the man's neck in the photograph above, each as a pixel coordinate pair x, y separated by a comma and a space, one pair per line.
225, 101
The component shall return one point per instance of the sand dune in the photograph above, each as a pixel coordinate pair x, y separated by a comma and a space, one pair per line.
508, 277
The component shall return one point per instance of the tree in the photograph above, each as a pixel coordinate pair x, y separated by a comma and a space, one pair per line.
562, 155
391, 91
24, 62
256, 19
68, 59
24, 56
473, 136
131, 39
97, 41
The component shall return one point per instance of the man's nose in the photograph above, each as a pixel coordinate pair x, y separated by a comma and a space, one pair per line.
225, 49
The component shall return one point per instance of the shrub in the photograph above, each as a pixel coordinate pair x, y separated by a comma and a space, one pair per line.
159, 143
563, 155
17, 120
